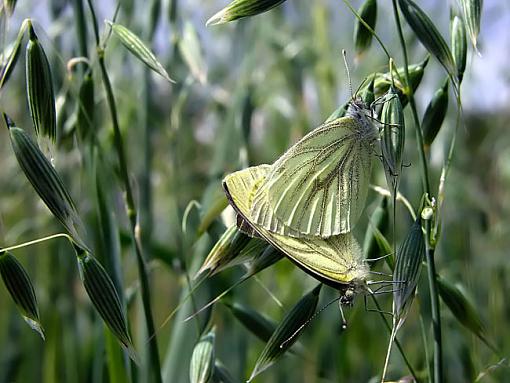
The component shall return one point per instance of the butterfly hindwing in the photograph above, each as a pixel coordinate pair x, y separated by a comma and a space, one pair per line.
337, 258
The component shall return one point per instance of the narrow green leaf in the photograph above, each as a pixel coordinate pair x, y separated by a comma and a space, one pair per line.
459, 46
435, 114
242, 8
202, 360
138, 48
393, 138
428, 34
191, 51
12, 57
472, 10
45, 180
362, 36
463, 310
105, 299
287, 331
40, 94
19, 285
410, 255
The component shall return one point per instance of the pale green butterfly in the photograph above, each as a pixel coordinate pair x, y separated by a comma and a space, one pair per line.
336, 261
319, 186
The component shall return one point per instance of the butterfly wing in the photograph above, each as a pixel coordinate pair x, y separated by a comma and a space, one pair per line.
337, 259
319, 186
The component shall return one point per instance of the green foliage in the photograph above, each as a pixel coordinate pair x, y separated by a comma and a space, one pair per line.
135, 172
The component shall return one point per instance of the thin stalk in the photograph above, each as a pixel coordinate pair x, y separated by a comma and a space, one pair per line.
36, 241
436, 318
397, 343
130, 206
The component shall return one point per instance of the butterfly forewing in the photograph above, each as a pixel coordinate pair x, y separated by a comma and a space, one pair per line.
337, 258
319, 186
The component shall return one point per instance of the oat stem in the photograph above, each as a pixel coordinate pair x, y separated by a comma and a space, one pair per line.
130, 206
436, 319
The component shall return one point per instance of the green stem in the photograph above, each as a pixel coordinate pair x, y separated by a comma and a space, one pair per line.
436, 318
397, 343
130, 207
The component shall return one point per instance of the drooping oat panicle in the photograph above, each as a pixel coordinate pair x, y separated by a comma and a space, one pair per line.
12, 57
463, 310
202, 360
393, 138
287, 331
242, 8
472, 10
45, 180
104, 297
139, 49
21, 289
40, 94
428, 34
459, 46
434, 114
410, 255
362, 36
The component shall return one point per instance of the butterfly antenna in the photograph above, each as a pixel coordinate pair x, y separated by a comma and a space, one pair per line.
344, 55
295, 333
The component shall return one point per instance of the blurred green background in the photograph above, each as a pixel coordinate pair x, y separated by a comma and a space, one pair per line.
250, 90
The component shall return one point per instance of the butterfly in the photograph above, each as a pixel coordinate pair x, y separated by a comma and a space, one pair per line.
318, 187
336, 260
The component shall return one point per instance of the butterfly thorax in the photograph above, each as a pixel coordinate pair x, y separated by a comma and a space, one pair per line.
362, 113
